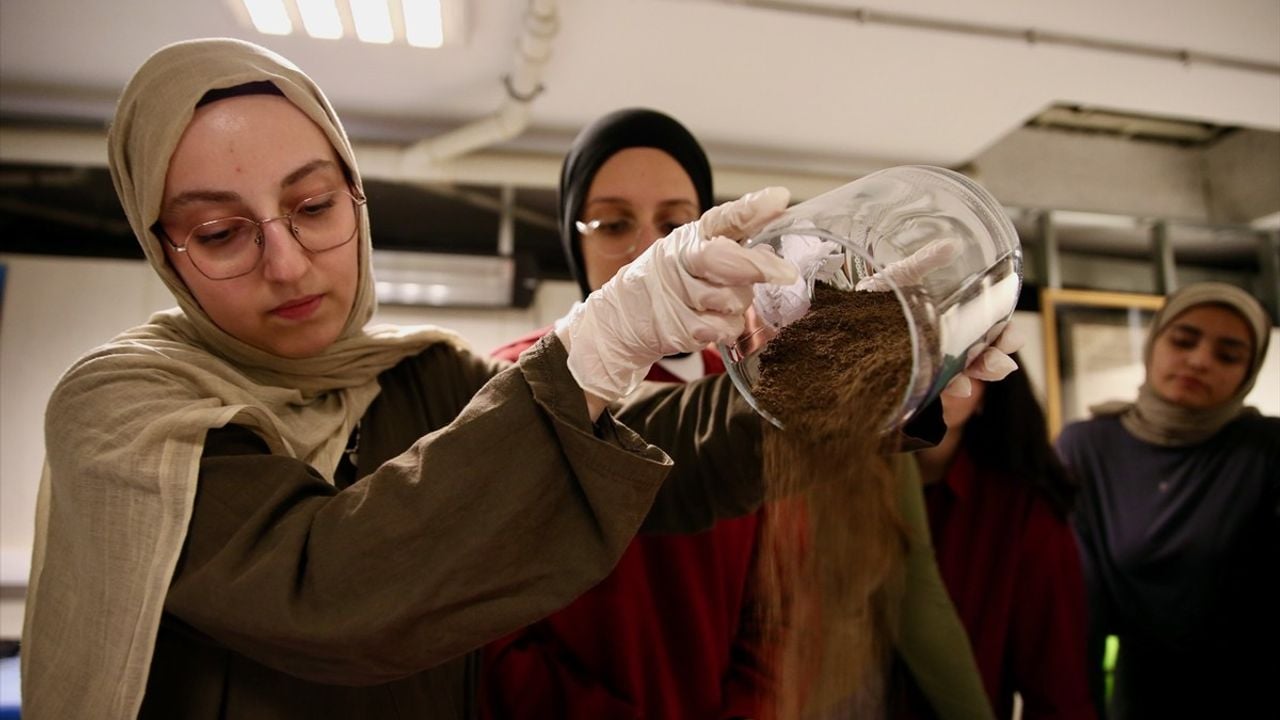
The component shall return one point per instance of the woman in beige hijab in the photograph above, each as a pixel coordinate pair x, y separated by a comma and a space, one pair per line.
257, 506
1179, 518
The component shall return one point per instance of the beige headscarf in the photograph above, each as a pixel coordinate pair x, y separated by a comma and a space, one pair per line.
125, 427
1158, 421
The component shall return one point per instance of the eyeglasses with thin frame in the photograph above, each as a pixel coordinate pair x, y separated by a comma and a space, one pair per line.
232, 246
618, 235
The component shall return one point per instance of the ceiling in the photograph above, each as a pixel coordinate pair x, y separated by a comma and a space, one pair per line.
831, 87
798, 83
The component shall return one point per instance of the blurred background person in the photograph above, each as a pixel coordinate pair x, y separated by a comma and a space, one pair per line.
1179, 518
998, 502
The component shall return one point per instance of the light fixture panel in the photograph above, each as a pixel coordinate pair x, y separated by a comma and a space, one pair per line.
418, 23
423, 23
269, 17
372, 20
320, 18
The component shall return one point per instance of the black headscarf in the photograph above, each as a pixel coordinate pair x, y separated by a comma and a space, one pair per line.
601, 140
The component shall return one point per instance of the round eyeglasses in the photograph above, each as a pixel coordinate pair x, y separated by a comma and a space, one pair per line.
616, 237
232, 246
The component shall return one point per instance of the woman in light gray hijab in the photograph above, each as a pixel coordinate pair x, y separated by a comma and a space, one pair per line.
1179, 518
256, 505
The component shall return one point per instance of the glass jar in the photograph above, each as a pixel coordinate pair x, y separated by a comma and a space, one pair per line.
844, 236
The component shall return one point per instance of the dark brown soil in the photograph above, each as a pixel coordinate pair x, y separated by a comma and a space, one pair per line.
846, 361
833, 544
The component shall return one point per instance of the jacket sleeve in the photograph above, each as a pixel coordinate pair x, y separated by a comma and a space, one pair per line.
713, 438
483, 525
932, 642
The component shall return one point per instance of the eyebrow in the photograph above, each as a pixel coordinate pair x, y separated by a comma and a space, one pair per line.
306, 170
191, 197
1227, 341
626, 201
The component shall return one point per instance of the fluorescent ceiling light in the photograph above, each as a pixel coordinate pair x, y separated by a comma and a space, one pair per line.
372, 19
320, 18
420, 23
269, 16
423, 25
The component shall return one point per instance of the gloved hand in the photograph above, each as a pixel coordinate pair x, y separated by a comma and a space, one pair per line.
815, 259
993, 362
912, 270
688, 289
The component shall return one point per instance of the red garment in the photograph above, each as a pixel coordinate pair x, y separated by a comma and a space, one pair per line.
1013, 571
667, 635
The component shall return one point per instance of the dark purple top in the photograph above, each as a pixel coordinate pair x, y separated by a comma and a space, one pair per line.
1181, 553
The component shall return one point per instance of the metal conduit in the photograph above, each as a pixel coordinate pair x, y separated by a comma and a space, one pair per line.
533, 50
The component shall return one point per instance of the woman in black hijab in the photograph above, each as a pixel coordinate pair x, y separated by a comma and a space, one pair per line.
673, 632
669, 633
598, 143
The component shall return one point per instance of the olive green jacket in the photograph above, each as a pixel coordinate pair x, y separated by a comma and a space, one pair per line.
478, 497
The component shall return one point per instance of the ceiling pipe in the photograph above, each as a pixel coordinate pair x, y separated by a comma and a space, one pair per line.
541, 24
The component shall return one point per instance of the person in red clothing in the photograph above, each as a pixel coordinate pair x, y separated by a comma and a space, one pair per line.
998, 501
669, 634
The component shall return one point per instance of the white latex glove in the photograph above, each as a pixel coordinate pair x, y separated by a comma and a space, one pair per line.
912, 270
781, 305
992, 364
688, 289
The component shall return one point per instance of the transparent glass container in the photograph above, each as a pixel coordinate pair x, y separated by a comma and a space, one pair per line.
952, 312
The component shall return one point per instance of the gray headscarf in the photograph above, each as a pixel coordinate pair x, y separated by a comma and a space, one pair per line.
1161, 422
126, 425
